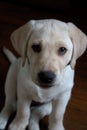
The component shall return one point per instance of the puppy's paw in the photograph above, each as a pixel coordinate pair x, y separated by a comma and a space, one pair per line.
3, 123
33, 125
16, 126
57, 128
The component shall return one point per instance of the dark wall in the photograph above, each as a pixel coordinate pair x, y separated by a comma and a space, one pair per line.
54, 4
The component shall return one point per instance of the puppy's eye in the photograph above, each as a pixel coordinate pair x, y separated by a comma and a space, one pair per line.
36, 48
62, 51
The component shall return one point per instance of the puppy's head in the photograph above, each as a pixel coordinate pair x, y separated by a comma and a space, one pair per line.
49, 45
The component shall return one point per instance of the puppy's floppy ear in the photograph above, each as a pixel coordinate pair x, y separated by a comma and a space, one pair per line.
20, 37
79, 40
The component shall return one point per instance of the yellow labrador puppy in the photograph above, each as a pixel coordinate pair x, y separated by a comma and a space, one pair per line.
44, 73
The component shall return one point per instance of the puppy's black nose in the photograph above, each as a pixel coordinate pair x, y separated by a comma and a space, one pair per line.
46, 77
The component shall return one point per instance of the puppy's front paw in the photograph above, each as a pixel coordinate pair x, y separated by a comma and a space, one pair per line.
33, 125
15, 127
3, 123
57, 128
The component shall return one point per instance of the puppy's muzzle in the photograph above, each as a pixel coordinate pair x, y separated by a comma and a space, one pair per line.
46, 77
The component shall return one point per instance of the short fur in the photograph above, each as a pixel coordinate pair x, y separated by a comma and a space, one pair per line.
22, 78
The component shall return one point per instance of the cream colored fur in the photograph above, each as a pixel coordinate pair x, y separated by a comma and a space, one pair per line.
22, 78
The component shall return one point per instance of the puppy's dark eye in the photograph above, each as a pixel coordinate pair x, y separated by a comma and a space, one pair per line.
36, 48
62, 51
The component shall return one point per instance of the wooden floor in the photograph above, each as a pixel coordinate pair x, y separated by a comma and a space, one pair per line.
13, 16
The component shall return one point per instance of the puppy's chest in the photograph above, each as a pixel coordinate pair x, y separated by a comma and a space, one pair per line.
44, 95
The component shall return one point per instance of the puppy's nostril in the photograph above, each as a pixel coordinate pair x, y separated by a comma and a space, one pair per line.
46, 76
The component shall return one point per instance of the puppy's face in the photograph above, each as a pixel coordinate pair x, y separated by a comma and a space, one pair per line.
49, 46
49, 51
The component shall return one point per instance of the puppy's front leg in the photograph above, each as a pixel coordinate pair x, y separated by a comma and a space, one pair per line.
59, 106
23, 113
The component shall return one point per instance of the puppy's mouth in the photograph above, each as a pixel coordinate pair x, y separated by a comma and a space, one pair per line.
45, 86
